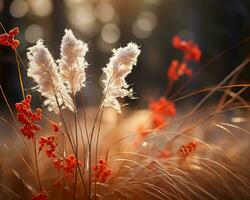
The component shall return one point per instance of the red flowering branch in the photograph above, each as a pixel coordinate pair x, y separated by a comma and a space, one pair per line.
190, 49
27, 118
102, 172
191, 52
51, 143
160, 110
68, 164
8, 39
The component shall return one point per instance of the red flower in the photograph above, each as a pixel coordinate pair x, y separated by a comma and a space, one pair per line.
69, 164
176, 70
101, 171
190, 49
158, 121
183, 69
8, 39
55, 127
172, 71
187, 149
180, 44
58, 164
163, 106
40, 196
194, 53
27, 117
51, 143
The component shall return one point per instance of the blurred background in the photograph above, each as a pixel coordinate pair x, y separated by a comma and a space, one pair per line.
216, 25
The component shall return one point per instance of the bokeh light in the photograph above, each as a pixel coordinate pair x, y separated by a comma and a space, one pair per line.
41, 8
82, 18
148, 21
33, 32
110, 33
18, 8
144, 24
104, 12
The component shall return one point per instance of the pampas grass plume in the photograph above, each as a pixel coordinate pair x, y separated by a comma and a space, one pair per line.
118, 68
43, 70
72, 63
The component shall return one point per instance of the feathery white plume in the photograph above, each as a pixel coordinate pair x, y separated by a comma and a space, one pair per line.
119, 66
44, 72
72, 63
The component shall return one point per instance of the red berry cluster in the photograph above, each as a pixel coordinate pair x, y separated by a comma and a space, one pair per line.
191, 51
27, 117
69, 164
177, 69
51, 143
161, 109
163, 106
187, 149
8, 39
101, 171
40, 196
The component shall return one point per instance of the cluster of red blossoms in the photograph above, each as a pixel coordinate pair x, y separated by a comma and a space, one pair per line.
177, 69
163, 106
8, 39
161, 109
187, 149
69, 164
101, 171
40, 196
191, 51
51, 143
27, 117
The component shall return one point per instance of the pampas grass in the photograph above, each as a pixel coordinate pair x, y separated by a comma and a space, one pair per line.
72, 63
118, 68
43, 70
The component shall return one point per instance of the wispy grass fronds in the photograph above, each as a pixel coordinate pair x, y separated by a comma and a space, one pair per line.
72, 63
43, 70
119, 67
